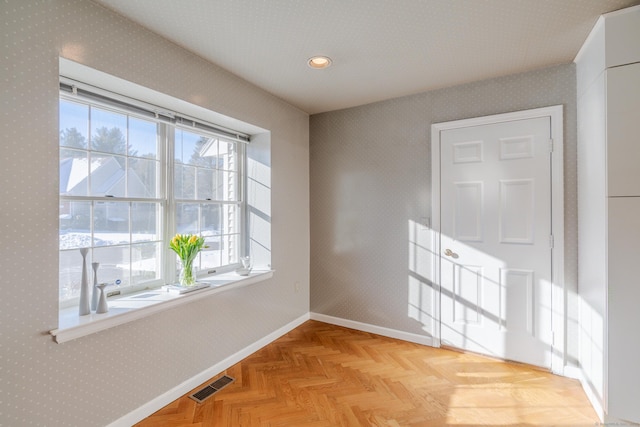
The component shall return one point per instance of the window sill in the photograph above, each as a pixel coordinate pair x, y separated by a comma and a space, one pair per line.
145, 303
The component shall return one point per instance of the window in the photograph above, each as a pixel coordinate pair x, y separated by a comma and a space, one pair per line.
206, 191
130, 179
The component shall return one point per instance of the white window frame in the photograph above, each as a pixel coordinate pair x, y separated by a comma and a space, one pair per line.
173, 202
165, 192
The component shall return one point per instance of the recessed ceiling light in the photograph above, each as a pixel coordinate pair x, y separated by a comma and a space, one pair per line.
319, 62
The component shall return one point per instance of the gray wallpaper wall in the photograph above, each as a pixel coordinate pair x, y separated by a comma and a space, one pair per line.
371, 190
97, 379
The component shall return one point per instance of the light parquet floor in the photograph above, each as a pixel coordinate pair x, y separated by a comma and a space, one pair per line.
324, 375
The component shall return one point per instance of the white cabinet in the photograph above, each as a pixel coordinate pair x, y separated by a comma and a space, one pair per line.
624, 311
608, 89
623, 130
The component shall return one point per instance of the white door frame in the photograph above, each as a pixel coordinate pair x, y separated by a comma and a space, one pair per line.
558, 294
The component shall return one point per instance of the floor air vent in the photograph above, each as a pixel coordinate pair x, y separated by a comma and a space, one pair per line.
209, 390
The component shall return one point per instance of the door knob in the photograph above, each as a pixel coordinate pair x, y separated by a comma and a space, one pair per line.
449, 252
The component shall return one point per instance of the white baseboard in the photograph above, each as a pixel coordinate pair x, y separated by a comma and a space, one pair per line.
577, 373
175, 393
166, 398
366, 327
573, 372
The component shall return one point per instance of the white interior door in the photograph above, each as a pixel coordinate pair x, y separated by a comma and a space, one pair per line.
495, 239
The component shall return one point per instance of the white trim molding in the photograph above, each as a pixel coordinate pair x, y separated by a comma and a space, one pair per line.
180, 390
559, 312
129, 308
379, 330
576, 373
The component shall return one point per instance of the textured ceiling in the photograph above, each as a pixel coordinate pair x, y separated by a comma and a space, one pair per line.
381, 49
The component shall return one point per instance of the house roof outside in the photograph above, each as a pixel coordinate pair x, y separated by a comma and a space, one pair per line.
108, 177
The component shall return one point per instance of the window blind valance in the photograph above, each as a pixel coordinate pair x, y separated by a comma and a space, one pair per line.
112, 99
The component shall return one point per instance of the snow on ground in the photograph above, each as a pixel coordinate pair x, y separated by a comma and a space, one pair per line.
73, 240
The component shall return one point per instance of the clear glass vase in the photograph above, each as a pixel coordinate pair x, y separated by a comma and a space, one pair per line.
187, 275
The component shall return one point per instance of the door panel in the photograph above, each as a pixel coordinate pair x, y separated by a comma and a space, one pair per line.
516, 211
467, 226
495, 228
466, 295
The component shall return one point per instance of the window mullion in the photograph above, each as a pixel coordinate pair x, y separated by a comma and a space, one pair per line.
126, 157
89, 152
167, 136
206, 201
111, 199
242, 192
